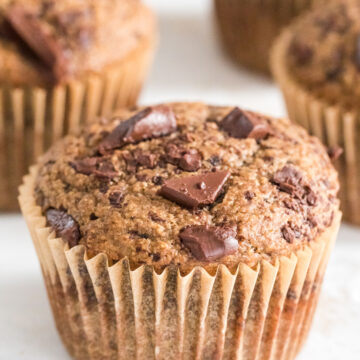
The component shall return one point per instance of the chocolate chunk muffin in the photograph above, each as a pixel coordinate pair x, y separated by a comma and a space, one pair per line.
64, 63
190, 200
317, 64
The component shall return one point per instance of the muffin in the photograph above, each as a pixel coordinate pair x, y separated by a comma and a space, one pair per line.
62, 64
183, 231
316, 62
248, 28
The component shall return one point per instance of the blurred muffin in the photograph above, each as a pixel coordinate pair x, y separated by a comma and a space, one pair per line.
248, 28
184, 230
317, 65
63, 63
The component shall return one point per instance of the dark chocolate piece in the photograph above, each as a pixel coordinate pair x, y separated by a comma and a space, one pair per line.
302, 53
35, 36
98, 166
116, 198
64, 226
244, 124
194, 191
208, 243
149, 123
185, 159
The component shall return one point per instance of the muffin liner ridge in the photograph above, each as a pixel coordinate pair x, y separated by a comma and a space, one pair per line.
114, 312
249, 27
332, 124
32, 118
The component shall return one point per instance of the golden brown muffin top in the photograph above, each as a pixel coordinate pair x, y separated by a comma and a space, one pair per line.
189, 184
47, 41
324, 53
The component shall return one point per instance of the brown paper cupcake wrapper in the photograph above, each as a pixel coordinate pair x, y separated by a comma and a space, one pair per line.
330, 123
31, 119
249, 27
115, 312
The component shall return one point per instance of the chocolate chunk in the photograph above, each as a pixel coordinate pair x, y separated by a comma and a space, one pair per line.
139, 158
244, 124
302, 52
157, 180
64, 226
116, 198
154, 217
334, 152
289, 234
249, 195
208, 243
190, 161
195, 191
185, 159
149, 123
156, 257
38, 39
289, 180
215, 160
99, 166
292, 205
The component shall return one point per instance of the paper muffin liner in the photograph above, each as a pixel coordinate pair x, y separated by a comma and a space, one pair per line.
116, 312
32, 118
249, 27
332, 124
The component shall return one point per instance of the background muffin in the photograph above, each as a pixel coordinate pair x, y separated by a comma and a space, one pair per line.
186, 187
248, 28
62, 64
316, 62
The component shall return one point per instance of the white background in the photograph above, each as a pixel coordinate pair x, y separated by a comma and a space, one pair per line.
189, 66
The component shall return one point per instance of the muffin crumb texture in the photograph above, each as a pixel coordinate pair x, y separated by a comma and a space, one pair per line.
188, 184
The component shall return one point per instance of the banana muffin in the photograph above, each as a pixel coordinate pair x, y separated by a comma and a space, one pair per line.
190, 187
317, 64
62, 64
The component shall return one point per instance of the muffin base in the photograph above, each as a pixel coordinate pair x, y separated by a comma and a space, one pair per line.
31, 119
332, 124
248, 28
115, 312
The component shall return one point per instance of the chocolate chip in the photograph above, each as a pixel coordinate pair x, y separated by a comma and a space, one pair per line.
98, 166
37, 38
185, 159
208, 243
116, 198
145, 158
185, 191
249, 195
149, 123
158, 180
289, 180
93, 217
64, 225
215, 160
190, 161
156, 257
292, 205
302, 52
334, 152
289, 234
244, 124
154, 217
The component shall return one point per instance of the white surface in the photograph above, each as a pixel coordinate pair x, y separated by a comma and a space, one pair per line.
189, 66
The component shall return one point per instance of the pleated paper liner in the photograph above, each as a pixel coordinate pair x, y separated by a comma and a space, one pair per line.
249, 27
115, 312
31, 119
330, 123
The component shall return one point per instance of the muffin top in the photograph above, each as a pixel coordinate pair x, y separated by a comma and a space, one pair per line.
188, 184
45, 42
324, 53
